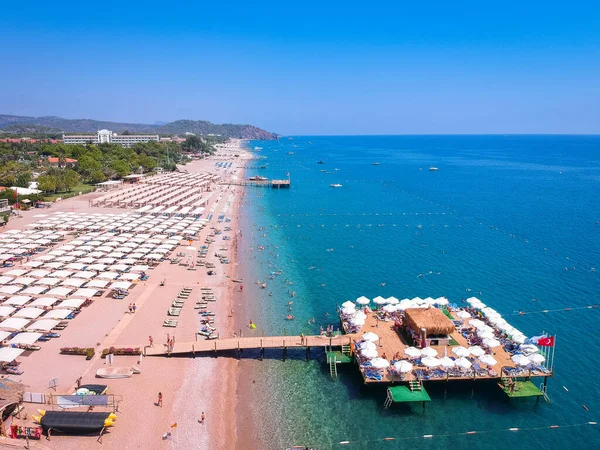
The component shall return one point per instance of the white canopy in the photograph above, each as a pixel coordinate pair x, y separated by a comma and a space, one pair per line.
108, 275
520, 360
121, 285
348, 304
84, 292
461, 352
10, 289
14, 323
4, 335
73, 282
430, 361
369, 354
43, 325
489, 360
367, 345
6, 311
5, 279
34, 290
463, 363
48, 281
9, 354
463, 315
29, 313
446, 362
57, 314
130, 276
97, 284
44, 301
379, 300
73, 303
18, 300
59, 291
25, 339
476, 351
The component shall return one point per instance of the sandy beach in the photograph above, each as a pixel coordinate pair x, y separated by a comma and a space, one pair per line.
189, 386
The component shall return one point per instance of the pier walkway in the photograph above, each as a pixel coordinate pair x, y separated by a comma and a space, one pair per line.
252, 342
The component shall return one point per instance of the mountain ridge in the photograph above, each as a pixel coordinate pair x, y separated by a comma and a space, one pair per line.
31, 124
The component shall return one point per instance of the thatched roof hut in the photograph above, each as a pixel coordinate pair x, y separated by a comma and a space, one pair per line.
433, 320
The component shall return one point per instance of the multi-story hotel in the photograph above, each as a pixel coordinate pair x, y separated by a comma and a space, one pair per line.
108, 137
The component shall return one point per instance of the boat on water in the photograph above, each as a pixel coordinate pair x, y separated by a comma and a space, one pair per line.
433, 169
336, 169
320, 162
336, 185
323, 171
258, 178
295, 146
290, 153
309, 143
376, 163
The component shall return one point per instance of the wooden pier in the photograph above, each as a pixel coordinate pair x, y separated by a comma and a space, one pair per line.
254, 342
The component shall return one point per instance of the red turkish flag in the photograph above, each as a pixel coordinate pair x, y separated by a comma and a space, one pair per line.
546, 342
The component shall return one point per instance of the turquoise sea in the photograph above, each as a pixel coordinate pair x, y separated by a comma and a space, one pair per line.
512, 220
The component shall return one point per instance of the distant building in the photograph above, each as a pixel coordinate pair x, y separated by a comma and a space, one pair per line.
54, 161
108, 137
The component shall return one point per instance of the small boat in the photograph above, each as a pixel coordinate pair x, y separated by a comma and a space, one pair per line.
376, 163
433, 169
257, 148
290, 153
309, 143
336, 169
323, 170
320, 162
258, 178
336, 185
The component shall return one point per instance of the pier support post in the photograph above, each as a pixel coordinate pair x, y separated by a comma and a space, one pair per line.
238, 350
262, 350
284, 350
307, 352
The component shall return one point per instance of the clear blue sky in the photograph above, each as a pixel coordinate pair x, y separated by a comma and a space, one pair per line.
308, 67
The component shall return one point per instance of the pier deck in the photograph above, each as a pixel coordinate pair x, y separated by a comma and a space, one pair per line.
251, 342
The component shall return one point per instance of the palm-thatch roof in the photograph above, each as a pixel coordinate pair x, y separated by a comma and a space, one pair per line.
11, 393
433, 320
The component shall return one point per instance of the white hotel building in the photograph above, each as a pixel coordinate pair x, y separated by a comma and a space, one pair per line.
108, 137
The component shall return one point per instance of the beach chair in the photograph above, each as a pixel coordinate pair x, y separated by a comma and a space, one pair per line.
481, 372
14, 370
171, 323
174, 311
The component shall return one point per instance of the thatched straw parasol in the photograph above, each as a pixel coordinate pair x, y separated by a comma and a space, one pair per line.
433, 320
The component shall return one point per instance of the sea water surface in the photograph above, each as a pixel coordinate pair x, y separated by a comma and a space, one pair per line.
512, 220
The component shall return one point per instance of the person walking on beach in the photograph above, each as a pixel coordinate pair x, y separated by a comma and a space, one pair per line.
160, 399
133, 308
202, 418
151, 341
130, 308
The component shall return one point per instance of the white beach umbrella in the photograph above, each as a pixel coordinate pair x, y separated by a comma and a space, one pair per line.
379, 300
528, 349
363, 300
446, 362
463, 315
403, 366
442, 301
413, 352
518, 339
485, 328
380, 363
360, 315
521, 360
463, 363
461, 352
357, 321
348, 304
430, 362
369, 354
476, 323
485, 334
476, 351
429, 352
370, 336
389, 308
537, 358
491, 343
393, 301
348, 311
367, 345
489, 360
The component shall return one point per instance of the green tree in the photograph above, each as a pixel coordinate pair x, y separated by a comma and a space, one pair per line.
86, 166
121, 168
146, 162
23, 179
47, 183
97, 177
71, 178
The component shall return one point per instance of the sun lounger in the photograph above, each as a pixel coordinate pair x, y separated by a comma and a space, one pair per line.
174, 311
13, 370
172, 323
212, 336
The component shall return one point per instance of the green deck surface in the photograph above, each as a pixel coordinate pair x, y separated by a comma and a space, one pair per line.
403, 394
339, 357
528, 390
